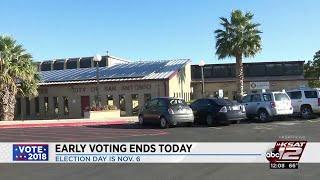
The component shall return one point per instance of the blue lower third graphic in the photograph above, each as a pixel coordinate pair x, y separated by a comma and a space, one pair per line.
30, 152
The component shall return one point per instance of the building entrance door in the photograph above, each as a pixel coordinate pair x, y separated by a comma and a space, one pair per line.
85, 104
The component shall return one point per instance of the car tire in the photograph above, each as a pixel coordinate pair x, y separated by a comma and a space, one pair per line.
141, 120
306, 112
236, 122
263, 116
189, 124
250, 117
209, 120
163, 123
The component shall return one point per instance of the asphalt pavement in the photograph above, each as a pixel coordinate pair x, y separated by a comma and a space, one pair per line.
244, 132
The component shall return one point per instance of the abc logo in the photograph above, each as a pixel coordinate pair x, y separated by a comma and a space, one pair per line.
272, 155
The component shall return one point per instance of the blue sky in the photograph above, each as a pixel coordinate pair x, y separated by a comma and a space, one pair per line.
151, 30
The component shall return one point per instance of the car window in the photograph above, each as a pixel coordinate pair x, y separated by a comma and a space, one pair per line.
177, 102
195, 103
281, 97
223, 102
311, 94
267, 97
162, 102
246, 99
295, 94
153, 102
256, 98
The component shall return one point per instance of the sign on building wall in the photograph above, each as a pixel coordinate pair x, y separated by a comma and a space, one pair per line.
259, 85
220, 92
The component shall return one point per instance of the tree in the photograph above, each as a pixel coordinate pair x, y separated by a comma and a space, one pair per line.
239, 38
312, 70
18, 75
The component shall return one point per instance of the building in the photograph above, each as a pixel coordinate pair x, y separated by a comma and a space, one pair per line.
270, 76
69, 86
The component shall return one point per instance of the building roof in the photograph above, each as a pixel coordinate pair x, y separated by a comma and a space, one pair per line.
146, 70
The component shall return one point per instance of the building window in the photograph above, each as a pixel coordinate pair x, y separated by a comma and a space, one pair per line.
58, 65
255, 70
147, 97
195, 72
293, 69
46, 66
27, 106
122, 105
135, 104
274, 70
36, 105
18, 106
102, 63
65, 105
207, 71
226, 94
110, 100
221, 71
72, 64
46, 104
56, 105
85, 62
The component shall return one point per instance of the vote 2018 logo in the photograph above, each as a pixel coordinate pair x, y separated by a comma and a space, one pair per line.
30, 152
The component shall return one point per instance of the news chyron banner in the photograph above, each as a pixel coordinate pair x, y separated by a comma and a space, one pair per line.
280, 154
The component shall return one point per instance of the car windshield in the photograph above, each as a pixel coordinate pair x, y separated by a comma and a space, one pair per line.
177, 102
281, 97
223, 102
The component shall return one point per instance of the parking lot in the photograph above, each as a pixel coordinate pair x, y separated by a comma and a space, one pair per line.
244, 132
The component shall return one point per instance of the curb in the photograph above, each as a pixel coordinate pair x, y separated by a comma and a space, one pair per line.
63, 124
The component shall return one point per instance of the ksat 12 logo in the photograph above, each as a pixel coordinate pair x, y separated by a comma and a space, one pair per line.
30, 152
286, 154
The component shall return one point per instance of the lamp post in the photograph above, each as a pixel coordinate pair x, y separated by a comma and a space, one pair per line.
97, 58
201, 64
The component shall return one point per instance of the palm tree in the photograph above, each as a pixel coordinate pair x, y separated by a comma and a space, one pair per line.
18, 75
239, 38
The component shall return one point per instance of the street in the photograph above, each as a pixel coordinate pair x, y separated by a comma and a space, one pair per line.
244, 132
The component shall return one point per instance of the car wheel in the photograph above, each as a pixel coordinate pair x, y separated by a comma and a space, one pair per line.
163, 123
209, 120
141, 121
306, 112
263, 116
236, 122
250, 117
189, 124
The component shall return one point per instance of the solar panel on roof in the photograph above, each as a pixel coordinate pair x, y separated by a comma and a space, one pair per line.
145, 70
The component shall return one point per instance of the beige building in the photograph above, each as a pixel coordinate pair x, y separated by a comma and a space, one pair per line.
264, 76
69, 87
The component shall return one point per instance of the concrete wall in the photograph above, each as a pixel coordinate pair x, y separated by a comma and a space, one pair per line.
74, 92
179, 83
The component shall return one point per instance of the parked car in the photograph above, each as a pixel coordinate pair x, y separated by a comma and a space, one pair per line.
166, 111
305, 101
213, 111
265, 106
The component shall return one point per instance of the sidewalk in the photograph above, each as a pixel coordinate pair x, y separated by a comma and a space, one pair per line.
66, 122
